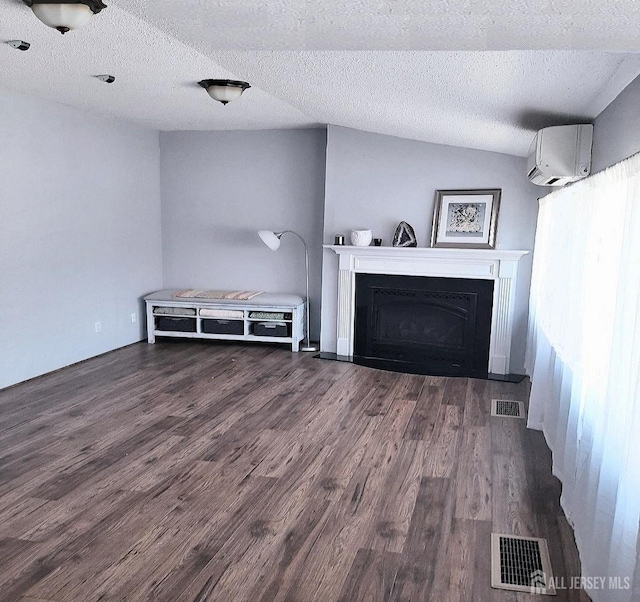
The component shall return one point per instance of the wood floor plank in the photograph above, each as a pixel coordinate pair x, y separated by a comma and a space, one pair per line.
187, 568
347, 528
428, 536
290, 553
465, 574
409, 387
455, 391
38, 560
171, 577
395, 508
473, 494
350, 408
293, 402
425, 414
477, 404
191, 470
170, 538
65, 482
17, 518
271, 552
63, 518
396, 418
338, 470
111, 528
203, 587
442, 456
282, 454
372, 577
512, 512
15, 464
69, 579
12, 549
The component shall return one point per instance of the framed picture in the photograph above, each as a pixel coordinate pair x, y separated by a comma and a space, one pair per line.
465, 218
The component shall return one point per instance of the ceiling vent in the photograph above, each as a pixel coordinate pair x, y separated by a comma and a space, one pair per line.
560, 154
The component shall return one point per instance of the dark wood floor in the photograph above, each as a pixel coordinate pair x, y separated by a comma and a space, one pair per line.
193, 471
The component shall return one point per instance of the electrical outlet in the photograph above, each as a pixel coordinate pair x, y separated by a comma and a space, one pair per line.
98, 327
134, 318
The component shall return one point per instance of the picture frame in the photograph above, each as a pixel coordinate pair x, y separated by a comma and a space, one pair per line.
466, 218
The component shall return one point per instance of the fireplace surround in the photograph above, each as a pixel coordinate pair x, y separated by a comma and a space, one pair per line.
498, 266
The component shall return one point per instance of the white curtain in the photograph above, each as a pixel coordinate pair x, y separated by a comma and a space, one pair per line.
583, 357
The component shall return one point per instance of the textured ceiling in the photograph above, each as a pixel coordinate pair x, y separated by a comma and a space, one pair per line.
462, 73
396, 24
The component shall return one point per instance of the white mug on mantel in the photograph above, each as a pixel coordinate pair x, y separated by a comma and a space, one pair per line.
361, 238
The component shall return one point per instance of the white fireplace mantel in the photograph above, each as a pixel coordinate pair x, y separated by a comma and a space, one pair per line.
501, 266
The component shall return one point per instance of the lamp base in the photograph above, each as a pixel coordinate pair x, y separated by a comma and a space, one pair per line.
309, 347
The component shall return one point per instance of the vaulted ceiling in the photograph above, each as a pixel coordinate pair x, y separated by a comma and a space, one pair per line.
476, 74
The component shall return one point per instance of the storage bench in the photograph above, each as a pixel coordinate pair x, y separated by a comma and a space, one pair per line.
267, 317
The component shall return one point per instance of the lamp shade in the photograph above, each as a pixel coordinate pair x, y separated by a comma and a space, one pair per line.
65, 16
271, 239
224, 90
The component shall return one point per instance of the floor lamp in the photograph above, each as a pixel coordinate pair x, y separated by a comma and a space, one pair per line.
272, 240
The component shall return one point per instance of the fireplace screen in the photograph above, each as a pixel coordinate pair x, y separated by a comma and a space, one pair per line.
425, 325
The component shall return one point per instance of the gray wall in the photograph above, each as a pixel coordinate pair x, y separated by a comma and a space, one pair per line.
375, 181
616, 131
220, 188
79, 234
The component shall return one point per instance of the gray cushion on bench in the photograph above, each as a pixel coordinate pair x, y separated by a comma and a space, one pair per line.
174, 311
267, 315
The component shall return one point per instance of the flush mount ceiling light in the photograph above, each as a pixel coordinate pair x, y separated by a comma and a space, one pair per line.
67, 15
19, 44
224, 90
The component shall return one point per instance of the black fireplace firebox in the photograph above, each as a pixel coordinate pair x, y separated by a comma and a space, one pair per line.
422, 325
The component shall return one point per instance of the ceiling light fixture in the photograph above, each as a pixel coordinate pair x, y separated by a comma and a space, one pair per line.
19, 44
107, 79
224, 90
66, 15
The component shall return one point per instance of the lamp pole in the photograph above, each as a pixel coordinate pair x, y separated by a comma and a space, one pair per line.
272, 240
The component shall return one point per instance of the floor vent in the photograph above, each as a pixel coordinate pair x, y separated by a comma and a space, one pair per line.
508, 408
521, 564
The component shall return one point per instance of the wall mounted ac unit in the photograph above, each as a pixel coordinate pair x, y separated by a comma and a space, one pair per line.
560, 154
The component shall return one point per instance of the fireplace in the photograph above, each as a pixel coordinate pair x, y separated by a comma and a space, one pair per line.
438, 326
499, 267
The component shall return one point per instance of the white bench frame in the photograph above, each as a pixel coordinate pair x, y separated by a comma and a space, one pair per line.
297, 319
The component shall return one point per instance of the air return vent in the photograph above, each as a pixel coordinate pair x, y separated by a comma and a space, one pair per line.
507, 408
521, 564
